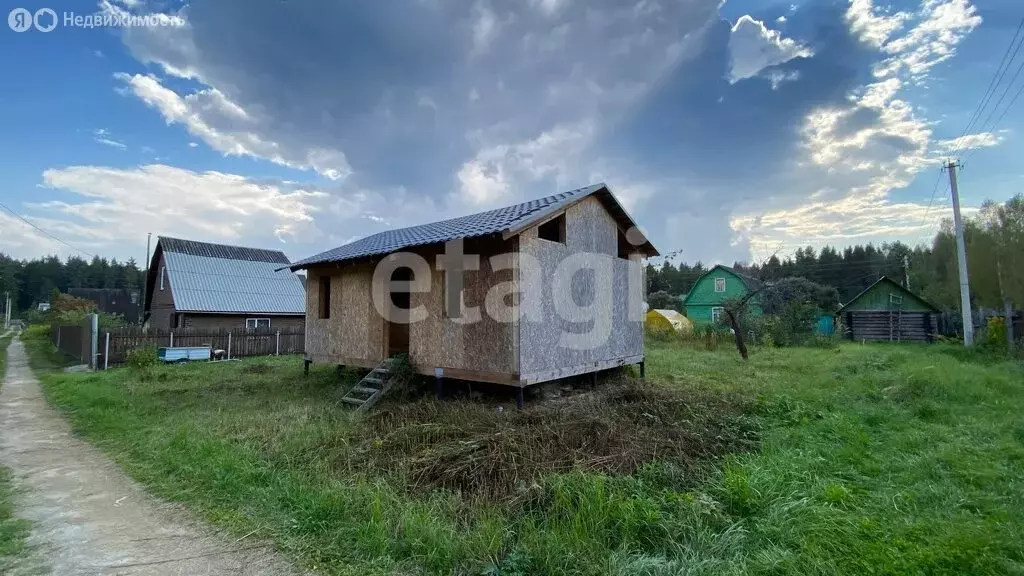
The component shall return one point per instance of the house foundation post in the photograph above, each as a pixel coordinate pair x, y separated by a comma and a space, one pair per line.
305, 367
642, 369
439, 383
520, 398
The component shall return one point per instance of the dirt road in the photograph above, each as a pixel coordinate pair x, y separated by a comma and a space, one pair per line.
87, 516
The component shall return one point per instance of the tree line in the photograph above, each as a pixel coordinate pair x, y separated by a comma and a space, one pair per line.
32, 281
995, 256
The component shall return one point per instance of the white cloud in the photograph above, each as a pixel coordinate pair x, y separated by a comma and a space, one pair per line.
486, 179
549, 7
102, 136
485, 27
858, 153
781, 20
872, 25
193, 145
933, 40
979, 140
754, 47
119, 204
229, 129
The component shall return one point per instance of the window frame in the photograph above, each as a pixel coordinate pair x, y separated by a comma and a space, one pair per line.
717, 278
716, 314
559, 223
256, 323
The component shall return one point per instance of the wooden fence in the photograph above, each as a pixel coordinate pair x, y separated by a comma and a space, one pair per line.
116, 343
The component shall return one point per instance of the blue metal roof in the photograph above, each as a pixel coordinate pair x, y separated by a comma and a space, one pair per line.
226, 286
474, 225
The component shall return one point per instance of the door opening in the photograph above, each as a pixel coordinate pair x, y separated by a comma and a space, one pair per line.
398, 328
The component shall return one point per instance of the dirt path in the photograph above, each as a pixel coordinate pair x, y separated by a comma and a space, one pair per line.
88, 517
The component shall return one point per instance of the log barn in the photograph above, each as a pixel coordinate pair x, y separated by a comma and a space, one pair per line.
344, 325
886, 311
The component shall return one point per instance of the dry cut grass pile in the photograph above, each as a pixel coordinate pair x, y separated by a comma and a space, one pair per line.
474, 448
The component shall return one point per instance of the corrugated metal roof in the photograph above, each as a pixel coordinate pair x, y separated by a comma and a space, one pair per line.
481, 224
208, 284
193, 248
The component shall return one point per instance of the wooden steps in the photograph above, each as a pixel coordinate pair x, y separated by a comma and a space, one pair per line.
371, 388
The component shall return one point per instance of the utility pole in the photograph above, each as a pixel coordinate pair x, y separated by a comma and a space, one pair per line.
961, 257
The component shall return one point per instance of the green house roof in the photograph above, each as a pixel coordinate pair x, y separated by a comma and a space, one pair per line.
879, 296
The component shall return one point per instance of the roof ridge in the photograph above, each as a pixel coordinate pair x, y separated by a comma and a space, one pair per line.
176, 239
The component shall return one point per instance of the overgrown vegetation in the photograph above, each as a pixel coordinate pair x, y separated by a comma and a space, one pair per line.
878, 459
13, 531
475, 449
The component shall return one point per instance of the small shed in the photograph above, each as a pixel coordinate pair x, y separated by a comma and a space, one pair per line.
665, 320
886, 311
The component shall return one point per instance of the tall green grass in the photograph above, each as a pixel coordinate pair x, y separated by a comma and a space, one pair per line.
873, 459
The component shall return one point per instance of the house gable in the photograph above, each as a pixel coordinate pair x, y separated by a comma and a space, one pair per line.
887, 295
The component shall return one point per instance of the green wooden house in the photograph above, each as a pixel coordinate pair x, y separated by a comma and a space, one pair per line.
705, 302
886, 311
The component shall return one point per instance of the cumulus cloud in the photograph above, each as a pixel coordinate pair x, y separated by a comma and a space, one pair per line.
856, 153
228, 128
754, 47
872, 25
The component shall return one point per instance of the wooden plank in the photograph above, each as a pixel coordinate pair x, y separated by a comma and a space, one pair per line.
473, 375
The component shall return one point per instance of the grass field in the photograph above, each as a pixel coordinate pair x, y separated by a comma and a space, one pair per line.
864, 459
13, 531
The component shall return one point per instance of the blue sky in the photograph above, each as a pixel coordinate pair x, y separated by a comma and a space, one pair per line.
730, 130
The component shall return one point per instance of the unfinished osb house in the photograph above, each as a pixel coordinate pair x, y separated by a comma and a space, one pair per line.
534, 339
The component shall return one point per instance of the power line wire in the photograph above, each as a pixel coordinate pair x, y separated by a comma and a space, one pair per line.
26, 221
1001, 116
994, 83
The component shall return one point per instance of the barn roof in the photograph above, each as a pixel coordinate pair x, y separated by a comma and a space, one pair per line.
895, 284
216, 278
510, 219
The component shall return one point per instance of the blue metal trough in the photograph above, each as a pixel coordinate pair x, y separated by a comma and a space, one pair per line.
183, 353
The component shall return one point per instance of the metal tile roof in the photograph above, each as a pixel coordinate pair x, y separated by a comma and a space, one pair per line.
481, 224
222, 285
193, 248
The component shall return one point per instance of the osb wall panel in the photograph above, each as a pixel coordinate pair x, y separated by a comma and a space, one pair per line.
589, 228
317, 335
485, 346
357, 330
354, 330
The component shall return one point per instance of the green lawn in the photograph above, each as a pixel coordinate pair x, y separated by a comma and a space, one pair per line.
864, 459
13, 531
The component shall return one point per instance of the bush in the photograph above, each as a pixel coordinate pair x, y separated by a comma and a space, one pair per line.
142, 358
662, 300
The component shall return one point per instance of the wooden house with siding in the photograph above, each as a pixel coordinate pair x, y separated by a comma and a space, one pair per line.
886, 311
208, 286
705, 303
522, 251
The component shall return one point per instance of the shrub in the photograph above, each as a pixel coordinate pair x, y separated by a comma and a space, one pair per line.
142, 358
662, 300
